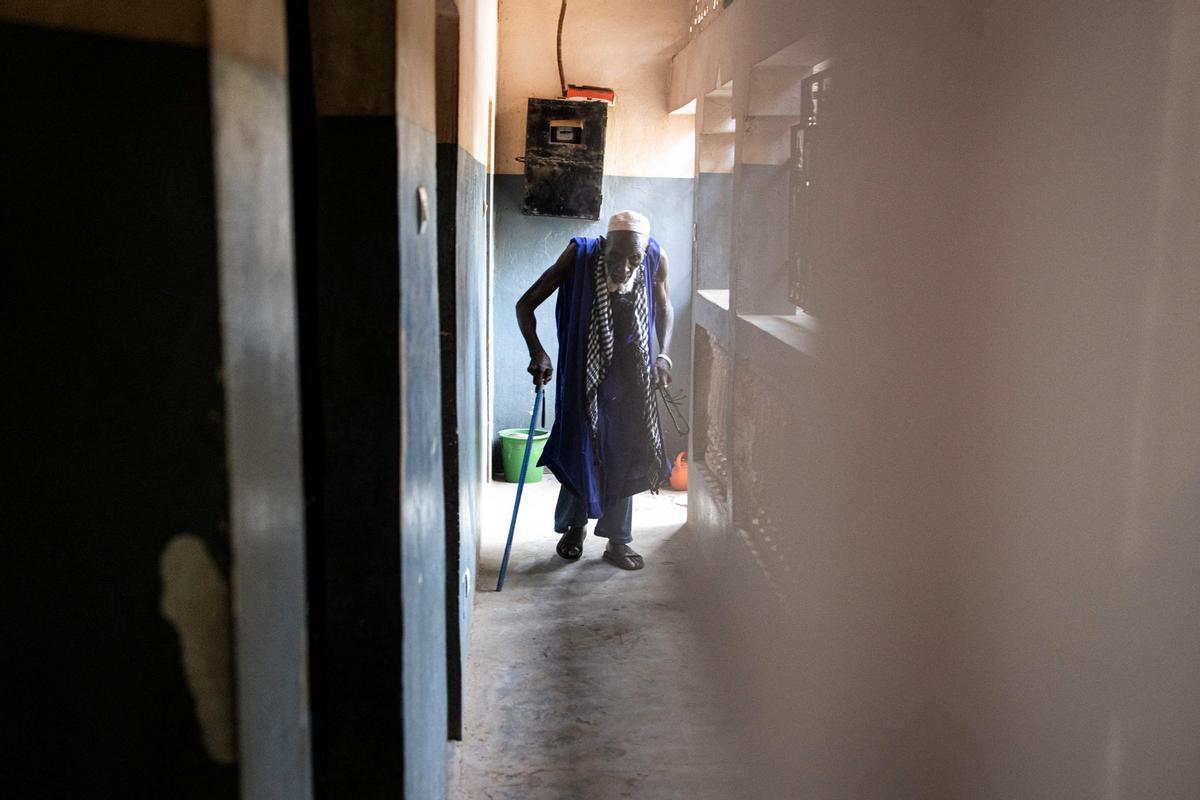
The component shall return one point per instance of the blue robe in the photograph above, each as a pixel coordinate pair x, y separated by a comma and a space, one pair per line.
620, 468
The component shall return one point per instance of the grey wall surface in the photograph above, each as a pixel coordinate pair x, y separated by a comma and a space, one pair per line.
462, 297
372, 387
262, 395
422, 513
473, 446
159, 404
372, 403
760, 226
714, 229
992, 469
527, 246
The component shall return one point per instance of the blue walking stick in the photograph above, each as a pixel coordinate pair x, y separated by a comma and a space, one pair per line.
512, 526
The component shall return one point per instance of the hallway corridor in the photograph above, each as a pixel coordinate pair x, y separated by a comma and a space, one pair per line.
586, 681
914, 286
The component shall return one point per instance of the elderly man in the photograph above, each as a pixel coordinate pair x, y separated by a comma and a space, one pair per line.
606, 444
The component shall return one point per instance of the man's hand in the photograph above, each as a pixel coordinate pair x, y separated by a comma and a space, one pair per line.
662, 373
541, 368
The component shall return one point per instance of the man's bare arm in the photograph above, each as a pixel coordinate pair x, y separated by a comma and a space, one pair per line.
664, 322
540, 366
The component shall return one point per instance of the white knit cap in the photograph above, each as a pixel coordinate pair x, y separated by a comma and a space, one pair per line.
629, 221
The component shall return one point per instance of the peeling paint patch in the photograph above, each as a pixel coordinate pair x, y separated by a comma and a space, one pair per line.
195, 600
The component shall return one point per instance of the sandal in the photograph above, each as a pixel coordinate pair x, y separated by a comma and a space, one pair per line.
622, 555
570, 546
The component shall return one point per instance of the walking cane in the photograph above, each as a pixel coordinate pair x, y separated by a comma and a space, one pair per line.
512, 526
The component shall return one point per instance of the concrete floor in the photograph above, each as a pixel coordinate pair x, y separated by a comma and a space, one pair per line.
585, 681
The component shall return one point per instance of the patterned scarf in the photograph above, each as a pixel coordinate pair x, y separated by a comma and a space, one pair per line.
600, 354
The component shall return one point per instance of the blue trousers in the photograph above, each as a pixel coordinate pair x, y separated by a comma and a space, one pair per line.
616, 524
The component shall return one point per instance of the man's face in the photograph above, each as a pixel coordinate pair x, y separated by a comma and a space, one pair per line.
623, 253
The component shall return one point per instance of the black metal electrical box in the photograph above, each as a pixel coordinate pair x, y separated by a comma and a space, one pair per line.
564, 158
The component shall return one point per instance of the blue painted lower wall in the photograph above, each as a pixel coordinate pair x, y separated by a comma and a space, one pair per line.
526, 246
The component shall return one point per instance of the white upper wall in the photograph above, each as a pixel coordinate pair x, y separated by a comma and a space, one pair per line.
477, 75
626, 45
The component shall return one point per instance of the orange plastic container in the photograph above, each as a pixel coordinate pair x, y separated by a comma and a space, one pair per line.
679, 472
